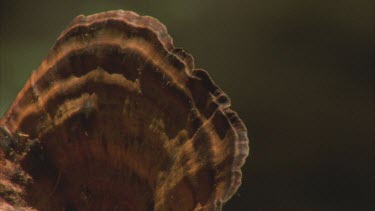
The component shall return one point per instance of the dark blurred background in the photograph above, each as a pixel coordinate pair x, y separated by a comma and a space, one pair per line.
300, 74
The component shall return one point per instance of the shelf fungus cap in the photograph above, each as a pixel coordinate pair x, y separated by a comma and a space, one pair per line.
117, 118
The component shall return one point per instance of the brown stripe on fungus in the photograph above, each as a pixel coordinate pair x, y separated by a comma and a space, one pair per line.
116, 117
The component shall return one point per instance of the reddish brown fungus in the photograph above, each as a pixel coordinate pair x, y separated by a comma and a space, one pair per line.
117, 118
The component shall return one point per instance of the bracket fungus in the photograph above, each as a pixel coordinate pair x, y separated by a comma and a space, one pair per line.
117, 118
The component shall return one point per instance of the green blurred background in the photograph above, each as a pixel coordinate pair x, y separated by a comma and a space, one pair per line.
300, 74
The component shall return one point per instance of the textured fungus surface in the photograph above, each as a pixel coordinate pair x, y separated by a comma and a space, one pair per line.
117, 118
